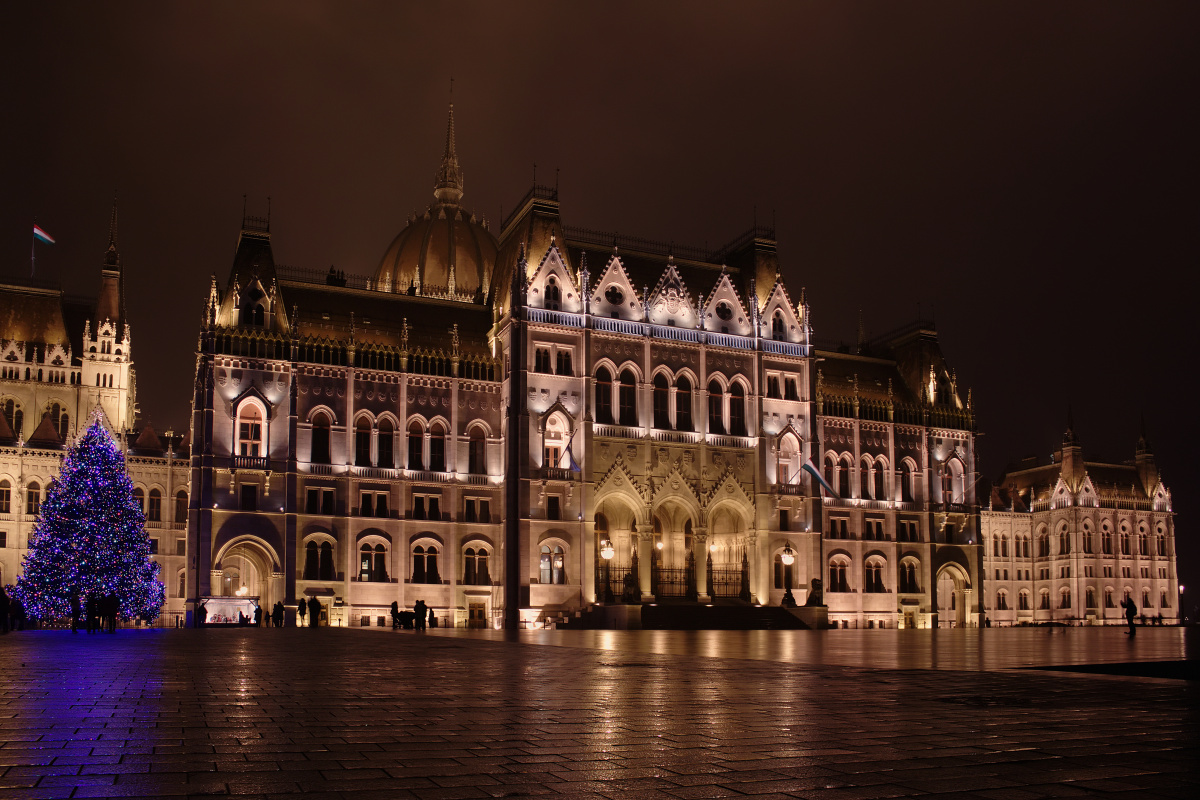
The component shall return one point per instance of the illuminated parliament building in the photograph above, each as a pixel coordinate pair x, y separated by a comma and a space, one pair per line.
549, 424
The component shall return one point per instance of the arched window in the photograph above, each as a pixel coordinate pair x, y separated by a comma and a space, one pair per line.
469, 566
1064, 541
604, 415
312, 562
553, 294
552, 565
1064, 598
416, 445
380, 571
874, 576
418, 559
1090, 597
627, 398
181, 506
1002, 600
372, 564
778, 329
140, 497
1125, 542
1146, 599
1023, 600
1004, 545
837, 576
1108, 598
716, 410
562, 363
14, 416
5, 497
908, 578
320, 439
154, 509
541, 360
384, 446
475, 567
365, 563
880, 481
250, 431
1044, 600
1106, 540
737, 410
182, 584
437, 448
477, 452
554, 440
662, 405
1161, 541
60, 419
843, 482
831, 471
362, 442
1143, 545
327, 562
425, 565
864, 480
908, 483
683, 404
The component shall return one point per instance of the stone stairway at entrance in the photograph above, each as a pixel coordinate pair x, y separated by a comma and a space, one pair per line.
718, 617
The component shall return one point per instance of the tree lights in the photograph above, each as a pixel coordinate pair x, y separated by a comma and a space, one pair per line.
90, 538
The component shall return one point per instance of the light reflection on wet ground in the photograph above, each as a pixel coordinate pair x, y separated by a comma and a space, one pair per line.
956, 649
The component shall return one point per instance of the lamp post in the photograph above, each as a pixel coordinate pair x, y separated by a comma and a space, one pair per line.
788, 557
607, 552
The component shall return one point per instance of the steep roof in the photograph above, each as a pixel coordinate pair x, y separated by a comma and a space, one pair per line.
32, 314
45, 435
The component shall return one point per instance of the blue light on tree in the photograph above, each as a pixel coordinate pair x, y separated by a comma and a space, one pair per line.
90, 538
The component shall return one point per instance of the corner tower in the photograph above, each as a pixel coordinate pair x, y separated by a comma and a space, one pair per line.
107, 377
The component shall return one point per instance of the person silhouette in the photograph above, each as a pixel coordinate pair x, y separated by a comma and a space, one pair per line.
1130, 614
314, 611
395, 615
419, 609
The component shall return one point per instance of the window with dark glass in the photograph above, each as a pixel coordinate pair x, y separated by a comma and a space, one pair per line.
541, 360
662, 405
327, 573
312, 501
362, 443
385, 445
154, 509
843, 484
553, 510
366, 504
627, 396
485, 511
469, 510
553, 294
773, 387
437, 449
778, 328
181, 506
5, 497
416, 446
249, 498
418, 511
716, 398
562, 363
737, 410
320, 440
789, 389
604, 415
783, 519
476, 453
683, 404
435, 511
311, 562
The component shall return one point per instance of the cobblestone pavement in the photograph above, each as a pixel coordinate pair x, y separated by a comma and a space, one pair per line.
621, 715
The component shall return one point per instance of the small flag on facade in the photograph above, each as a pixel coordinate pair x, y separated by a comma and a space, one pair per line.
42, 236
816, 473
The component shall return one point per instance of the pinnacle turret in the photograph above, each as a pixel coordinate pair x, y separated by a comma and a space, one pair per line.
448, 188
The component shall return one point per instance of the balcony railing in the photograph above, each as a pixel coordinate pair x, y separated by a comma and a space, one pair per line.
425, 476
793, 489
728, 340
676, 437
555, 317
675, 334
718, 440
617, 431
251, 462
557, 474
782, 348
618, 326
379, 473
320, 469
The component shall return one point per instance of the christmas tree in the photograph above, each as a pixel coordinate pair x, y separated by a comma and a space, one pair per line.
90, 538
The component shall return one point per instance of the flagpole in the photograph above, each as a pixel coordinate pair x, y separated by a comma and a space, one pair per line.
33, 250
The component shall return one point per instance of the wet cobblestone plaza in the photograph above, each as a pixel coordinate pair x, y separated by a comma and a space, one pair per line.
604, 714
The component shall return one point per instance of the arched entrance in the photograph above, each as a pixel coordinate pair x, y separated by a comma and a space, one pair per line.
248, 568
952, 584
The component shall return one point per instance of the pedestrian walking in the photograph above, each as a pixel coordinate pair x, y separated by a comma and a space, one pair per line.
302, 609
257, 616
395, 615
1130, 614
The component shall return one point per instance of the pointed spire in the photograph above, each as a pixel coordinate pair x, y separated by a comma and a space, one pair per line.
1069, 438
448, 188
111, 257
862, 333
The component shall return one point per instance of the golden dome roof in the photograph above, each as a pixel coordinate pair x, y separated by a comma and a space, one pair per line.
444, 252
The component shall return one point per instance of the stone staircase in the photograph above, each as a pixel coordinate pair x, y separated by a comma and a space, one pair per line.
723, 616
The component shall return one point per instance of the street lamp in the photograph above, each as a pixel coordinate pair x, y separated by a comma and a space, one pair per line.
788, 557
607, 552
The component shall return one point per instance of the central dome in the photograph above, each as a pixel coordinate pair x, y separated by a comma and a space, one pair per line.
444, 252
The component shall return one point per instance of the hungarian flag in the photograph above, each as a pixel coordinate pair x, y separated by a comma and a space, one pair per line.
808, 467
42, 236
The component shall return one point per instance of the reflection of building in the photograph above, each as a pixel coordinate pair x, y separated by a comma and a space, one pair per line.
49, 391
1069, 541
472, 423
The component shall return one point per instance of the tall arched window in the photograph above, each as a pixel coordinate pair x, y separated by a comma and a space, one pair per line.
1002, 600
418, 559
469, 566
416, 445
5, 497
864, 480
553, 294
908, 482
1064, 541
716, 411
60, 419
181, 506
384, 446
362, 442
1023, 600
778, 329
737, 410
437, 448
154, 509
477, 452
250, 431
327, 573
837, 576
908, 578
874, 576
1090, 597
604, 409
683, 404
320, 439
312, 562
140, 497
425, 565
662, 406
14, 416
843, 484
880, 481
627, 398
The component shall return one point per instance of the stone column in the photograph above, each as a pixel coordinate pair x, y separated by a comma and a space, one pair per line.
700, 551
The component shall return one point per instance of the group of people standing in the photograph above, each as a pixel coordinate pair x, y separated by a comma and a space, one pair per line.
12, 613
415, 619
101, 613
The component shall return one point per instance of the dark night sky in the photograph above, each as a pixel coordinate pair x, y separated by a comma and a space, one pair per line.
1028, 170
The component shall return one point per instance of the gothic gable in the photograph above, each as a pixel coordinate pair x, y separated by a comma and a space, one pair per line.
614, 295
778, 303
670, 302
553, 276
724, 311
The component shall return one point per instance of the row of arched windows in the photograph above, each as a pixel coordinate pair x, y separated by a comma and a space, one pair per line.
873, 575
374, 446
372, 567
726, 410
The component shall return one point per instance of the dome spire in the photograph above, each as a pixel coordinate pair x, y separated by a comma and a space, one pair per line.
448, 188
111, 257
